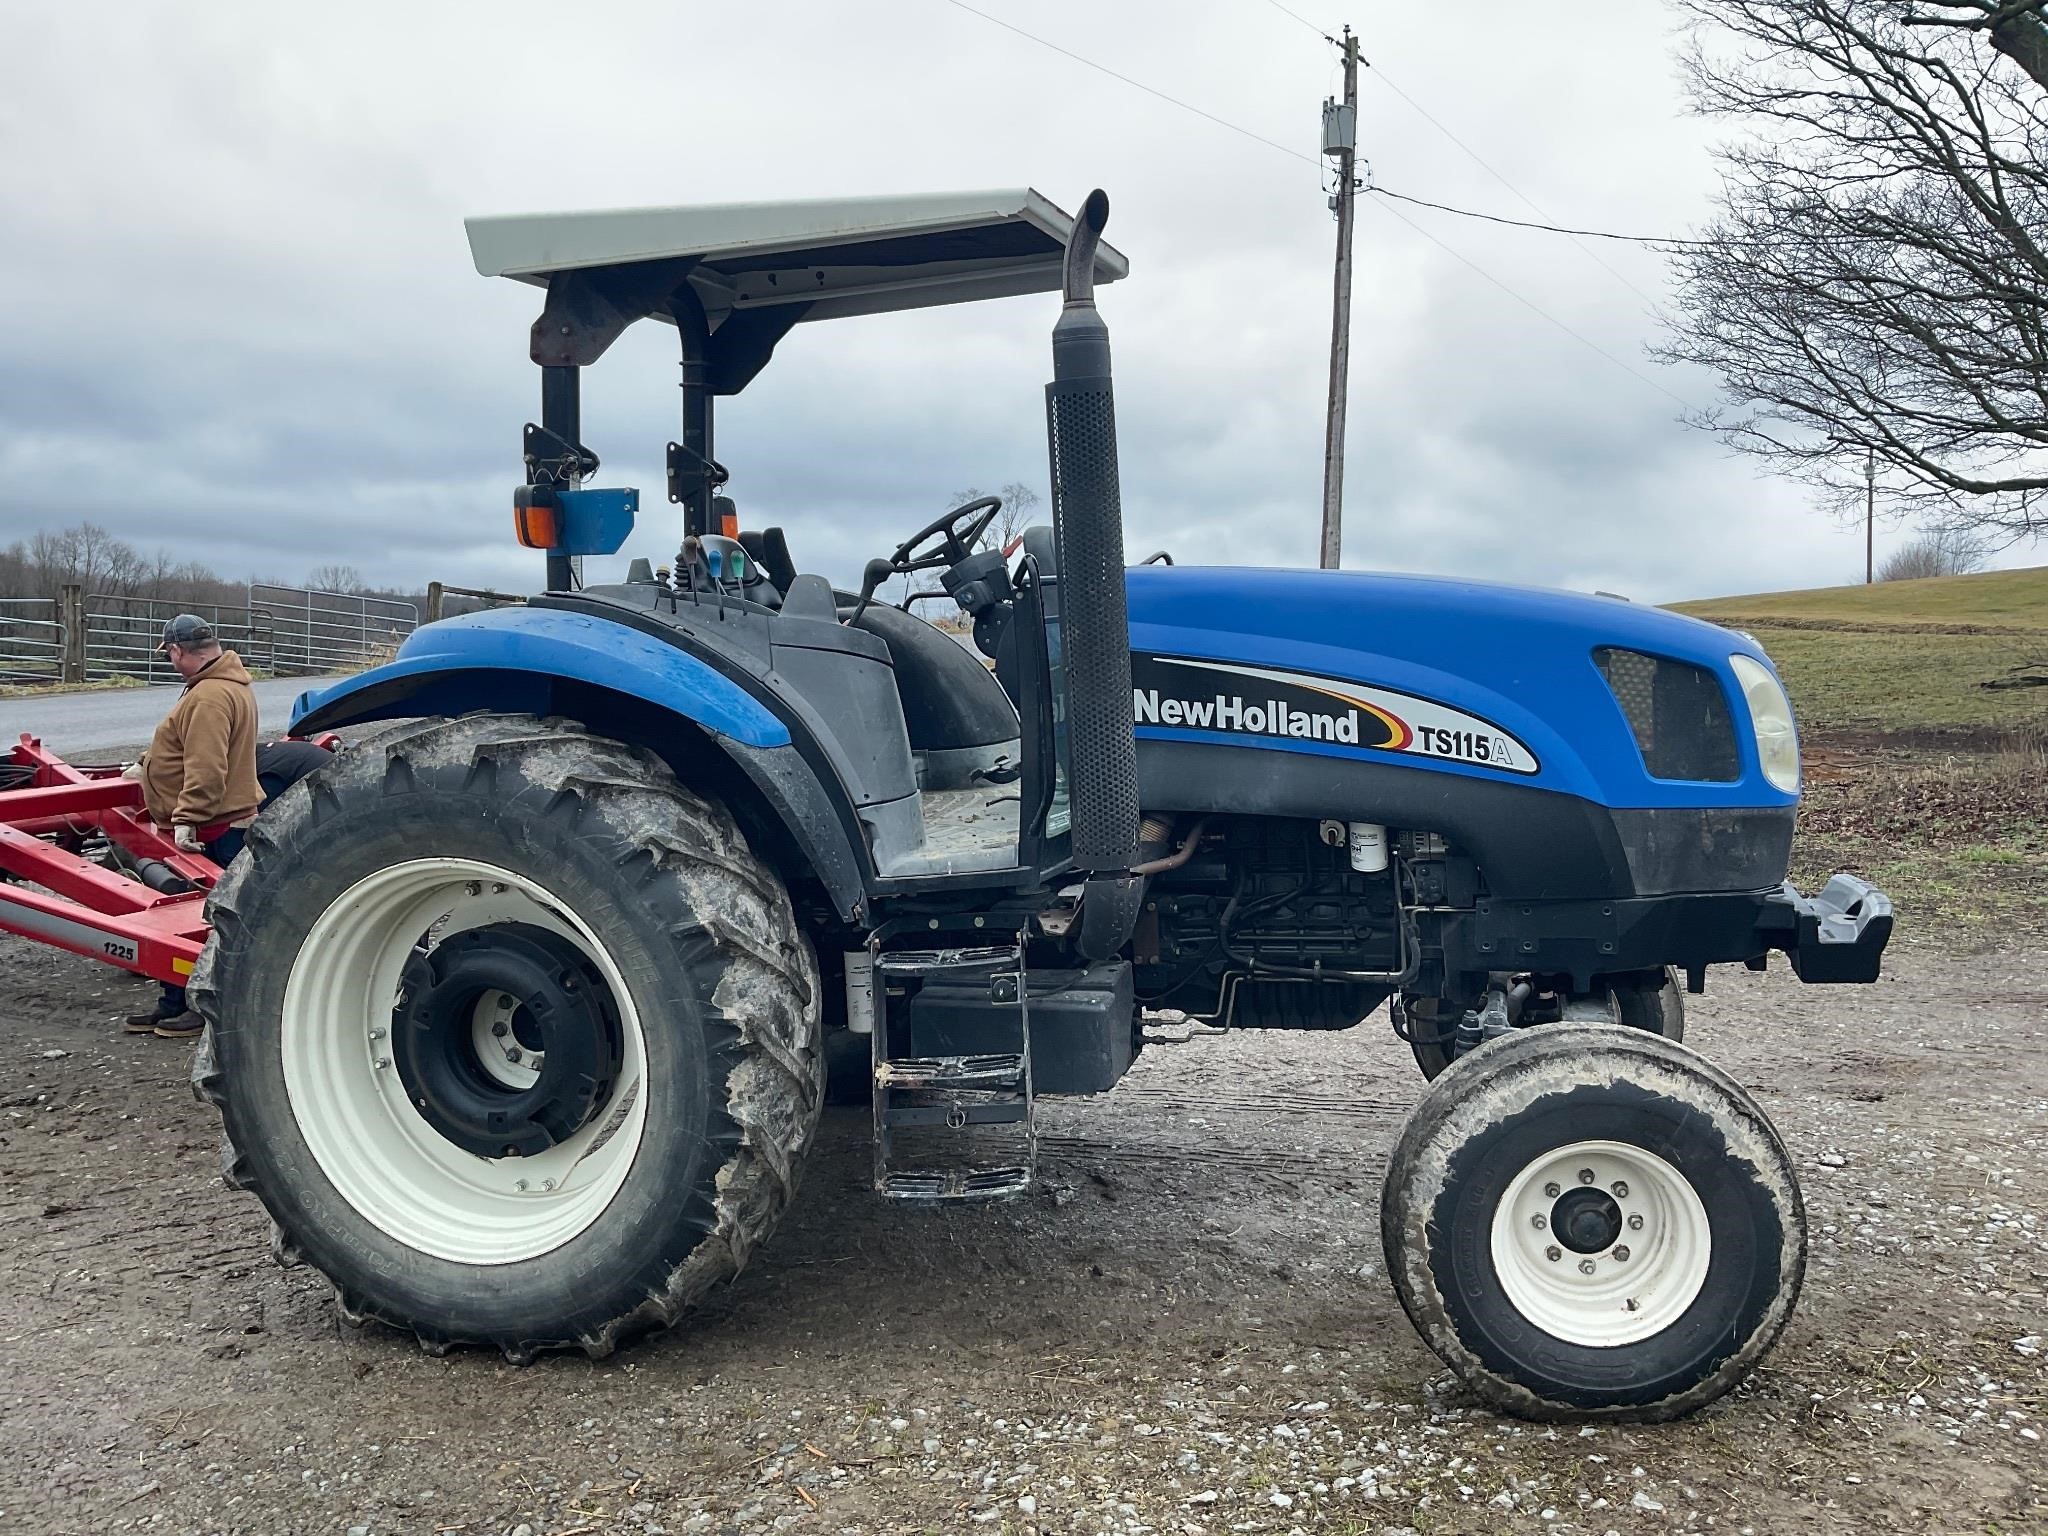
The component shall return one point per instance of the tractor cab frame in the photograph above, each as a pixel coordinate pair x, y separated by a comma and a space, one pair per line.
973, 789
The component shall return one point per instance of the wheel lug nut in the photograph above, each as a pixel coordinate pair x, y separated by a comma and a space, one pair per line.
520, 1185
1620, 1190
1552, 1191
514, 1055
1635, 1223
1587, 1266
474, 888
1538, 1223
501, 1029
1621, 1254
1552, 1254
1585, 1175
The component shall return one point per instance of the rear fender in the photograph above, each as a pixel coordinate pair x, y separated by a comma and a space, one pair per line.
715, 734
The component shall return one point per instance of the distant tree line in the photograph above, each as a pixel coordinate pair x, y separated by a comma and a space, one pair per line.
48, 560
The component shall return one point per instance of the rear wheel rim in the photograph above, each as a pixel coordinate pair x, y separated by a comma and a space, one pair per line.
351, 1106
1601, 1243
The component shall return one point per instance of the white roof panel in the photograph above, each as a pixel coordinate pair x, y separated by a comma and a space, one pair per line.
836, 256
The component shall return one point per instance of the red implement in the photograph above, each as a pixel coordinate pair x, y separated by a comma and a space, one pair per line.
150, 919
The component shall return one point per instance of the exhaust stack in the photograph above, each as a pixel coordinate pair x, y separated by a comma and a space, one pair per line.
1088, 527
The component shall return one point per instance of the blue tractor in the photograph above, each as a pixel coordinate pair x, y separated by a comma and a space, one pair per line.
523, 1011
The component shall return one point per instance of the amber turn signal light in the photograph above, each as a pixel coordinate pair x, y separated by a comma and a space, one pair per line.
537, 517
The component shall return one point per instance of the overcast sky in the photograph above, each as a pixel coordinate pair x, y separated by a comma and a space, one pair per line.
241, 319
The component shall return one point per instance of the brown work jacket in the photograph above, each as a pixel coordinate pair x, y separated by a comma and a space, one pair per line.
200, 768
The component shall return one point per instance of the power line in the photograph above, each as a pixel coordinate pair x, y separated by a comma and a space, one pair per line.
1428, 117
1554, 229
1175, 101
1297, 16
1654, 242
1531, 304
1137, 84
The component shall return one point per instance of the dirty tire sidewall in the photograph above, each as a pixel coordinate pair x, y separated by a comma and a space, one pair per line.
703, 937
1504, 1107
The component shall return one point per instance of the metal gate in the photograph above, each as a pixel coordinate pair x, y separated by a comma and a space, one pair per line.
31, 640
122, 635
306, 633
284, 631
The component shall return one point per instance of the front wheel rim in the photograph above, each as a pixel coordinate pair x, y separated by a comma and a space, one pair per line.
1601, 1243
350, 1103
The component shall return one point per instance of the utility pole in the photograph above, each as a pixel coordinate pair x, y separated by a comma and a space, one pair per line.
1869, 515
1340, 142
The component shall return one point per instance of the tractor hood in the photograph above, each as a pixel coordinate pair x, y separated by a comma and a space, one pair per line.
1471, 678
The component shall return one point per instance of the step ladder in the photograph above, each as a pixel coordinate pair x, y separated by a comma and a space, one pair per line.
955, 1093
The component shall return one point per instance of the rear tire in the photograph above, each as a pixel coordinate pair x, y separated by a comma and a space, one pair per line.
1586, 1221
604, 912
1648, 1000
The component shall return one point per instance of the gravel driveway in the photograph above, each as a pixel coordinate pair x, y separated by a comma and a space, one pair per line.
1189, 1331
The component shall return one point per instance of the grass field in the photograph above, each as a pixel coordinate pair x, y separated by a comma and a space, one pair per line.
2014, 598
1945, 656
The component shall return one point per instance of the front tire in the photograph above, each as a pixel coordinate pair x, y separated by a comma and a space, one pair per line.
407, 929
1587, 1221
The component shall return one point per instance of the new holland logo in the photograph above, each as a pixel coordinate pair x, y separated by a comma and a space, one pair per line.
1170, 692
1232, 712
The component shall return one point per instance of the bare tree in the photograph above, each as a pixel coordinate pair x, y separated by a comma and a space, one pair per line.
345, 579
1019, 503
2014, 27
1937, 552
1877, 277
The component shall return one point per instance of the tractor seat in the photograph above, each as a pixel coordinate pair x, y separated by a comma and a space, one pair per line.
810, 597
961, 722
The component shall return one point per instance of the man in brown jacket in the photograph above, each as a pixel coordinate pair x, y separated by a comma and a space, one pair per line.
199, 774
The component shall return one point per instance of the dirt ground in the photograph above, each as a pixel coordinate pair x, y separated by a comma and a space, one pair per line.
1190, 1329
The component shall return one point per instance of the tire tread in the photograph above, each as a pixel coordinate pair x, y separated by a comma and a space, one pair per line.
771, 1060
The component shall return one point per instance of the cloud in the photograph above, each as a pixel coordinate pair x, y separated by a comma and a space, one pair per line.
245, 326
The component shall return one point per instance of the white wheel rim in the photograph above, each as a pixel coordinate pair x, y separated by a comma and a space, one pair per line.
1624, 1290
352, 1108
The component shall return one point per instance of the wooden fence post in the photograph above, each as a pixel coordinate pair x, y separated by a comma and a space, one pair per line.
433, 601
71, 612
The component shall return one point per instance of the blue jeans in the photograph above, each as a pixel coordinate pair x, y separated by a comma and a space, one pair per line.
222, 851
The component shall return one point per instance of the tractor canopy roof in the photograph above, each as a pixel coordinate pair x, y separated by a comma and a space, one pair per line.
757, 269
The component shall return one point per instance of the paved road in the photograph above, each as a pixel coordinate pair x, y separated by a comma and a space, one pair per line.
84, 725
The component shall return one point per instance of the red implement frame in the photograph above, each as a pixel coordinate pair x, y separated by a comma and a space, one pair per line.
85, 907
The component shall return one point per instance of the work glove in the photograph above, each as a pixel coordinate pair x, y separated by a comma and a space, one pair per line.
131, 770
188, 840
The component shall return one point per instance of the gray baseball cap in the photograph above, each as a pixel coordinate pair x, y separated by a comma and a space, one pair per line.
187, 630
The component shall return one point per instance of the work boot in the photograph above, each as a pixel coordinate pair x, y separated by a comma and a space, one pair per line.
181, 1025
170, 1017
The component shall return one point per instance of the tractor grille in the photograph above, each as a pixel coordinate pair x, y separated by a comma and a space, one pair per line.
1677, 712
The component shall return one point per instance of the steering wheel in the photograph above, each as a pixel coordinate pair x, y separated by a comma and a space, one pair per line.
959, 530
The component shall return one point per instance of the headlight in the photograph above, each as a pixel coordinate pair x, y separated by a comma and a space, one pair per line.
1770, 717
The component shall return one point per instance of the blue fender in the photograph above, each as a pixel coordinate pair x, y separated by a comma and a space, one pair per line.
514, 661
508, 658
